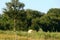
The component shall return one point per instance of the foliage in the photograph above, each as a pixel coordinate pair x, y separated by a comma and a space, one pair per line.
15, 18
51, 21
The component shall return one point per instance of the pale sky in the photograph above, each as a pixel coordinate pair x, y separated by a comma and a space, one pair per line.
39, 5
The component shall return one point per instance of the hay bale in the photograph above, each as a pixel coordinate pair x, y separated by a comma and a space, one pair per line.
30, 31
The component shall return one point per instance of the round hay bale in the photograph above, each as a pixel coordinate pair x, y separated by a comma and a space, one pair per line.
30, 31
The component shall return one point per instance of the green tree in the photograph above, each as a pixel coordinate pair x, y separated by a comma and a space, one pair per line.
13, 10
51, 20
33, 17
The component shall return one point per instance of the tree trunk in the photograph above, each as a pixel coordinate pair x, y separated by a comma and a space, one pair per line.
14, 28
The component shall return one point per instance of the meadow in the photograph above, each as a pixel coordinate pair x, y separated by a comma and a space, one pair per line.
20, 35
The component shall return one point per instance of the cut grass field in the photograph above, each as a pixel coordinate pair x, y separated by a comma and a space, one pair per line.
20, 35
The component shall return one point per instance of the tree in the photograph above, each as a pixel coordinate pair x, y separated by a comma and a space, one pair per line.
13, 10
51, 20
33, 17
55, 17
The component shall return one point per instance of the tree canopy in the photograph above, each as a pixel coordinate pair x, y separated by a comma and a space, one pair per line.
16, 18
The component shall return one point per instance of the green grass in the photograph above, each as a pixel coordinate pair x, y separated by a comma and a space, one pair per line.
21, 35
42, 35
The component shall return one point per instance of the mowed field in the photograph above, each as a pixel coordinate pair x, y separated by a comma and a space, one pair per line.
20, 35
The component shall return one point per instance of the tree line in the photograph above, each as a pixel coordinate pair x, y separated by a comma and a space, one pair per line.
16, 18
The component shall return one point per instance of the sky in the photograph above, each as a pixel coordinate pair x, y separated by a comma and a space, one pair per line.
39, 5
